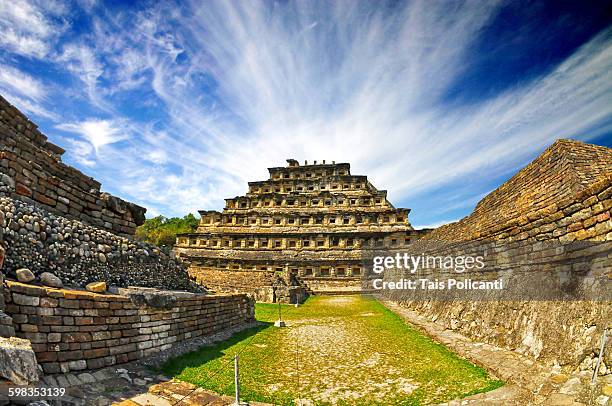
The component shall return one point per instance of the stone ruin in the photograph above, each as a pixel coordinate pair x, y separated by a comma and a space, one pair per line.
55, 219
552, 216
33, 172
81, 292
308, 227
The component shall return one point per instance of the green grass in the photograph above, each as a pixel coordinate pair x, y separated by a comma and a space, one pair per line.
335, 350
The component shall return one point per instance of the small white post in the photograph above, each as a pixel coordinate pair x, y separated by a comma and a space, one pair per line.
237, 380
601, 353
279, 322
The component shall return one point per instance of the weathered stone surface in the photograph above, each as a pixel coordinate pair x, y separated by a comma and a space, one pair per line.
164, 300
72, 251
25, 300
46, 180
96, 287
74, 330
24, 275
49, 279
18, 361
546, 203
314, 224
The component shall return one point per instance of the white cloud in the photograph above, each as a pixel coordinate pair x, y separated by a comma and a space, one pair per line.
98, 133
433, 225
24, 91
359, 87
28, 27
14, 80
81, 60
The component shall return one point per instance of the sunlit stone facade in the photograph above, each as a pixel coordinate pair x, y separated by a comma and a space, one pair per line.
314, 223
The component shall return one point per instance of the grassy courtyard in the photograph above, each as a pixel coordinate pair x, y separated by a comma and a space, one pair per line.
341, 350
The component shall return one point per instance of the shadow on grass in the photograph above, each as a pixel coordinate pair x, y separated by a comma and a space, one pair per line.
197, 358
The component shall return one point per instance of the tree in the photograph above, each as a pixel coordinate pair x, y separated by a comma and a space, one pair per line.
162, 231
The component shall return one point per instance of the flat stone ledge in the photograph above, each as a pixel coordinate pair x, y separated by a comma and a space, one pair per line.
116, 295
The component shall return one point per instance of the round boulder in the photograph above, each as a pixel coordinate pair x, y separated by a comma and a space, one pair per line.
48, 279
24, 275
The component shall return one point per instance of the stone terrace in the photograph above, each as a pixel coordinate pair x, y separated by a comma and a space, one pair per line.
72, 330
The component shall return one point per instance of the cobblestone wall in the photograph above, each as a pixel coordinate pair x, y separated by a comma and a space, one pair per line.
562, 197
74, 330
79, 253
33, 167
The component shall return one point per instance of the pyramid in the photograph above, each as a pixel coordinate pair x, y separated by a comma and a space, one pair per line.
316, 223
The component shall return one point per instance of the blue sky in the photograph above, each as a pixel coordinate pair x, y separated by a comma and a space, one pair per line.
176, 105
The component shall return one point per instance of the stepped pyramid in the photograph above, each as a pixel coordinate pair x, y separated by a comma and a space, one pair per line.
313, 224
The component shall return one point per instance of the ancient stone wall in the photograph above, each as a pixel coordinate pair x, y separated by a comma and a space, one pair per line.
332, 286
74, 330
33, 168
554, 197
561, 198
78, 253
238, 281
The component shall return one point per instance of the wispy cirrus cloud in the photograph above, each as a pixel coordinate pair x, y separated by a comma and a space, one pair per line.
28, 27
25, 91
204, 97
12, 79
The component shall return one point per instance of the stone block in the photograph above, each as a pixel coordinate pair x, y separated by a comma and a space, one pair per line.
49, 279
48, 302
96, 353
24, 300
96, 287
51, 368
47, 356
69, 355
96, 363
83, 321
52, 320
77, 365
18, 361
69, 304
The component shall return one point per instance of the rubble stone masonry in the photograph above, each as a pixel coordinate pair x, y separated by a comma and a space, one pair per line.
74, 330
33, 167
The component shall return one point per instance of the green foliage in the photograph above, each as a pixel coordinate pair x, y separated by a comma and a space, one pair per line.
162, 231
